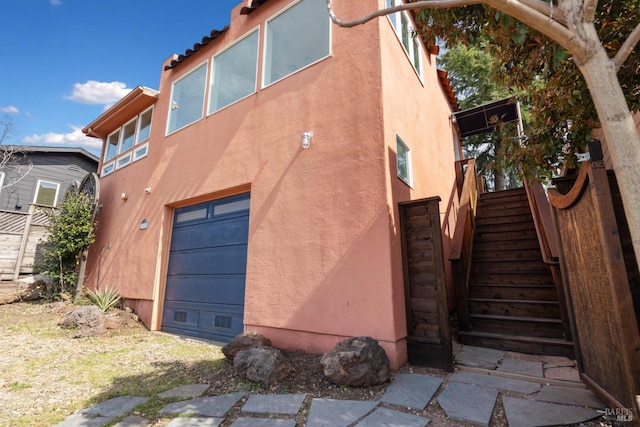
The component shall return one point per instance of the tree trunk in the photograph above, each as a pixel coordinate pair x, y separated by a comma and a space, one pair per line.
623, 140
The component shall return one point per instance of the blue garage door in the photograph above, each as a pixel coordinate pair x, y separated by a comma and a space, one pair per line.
204, 296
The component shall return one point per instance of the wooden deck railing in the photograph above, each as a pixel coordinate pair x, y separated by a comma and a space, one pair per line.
462, 240
541, 212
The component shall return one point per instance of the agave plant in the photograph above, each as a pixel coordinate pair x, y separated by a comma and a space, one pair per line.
104, 299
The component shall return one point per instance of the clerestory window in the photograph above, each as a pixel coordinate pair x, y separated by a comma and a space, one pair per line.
234, 73
134, 133
187, 99
296, 38
405, 31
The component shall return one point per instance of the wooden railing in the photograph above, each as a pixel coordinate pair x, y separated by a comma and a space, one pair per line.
462, 240
541, 212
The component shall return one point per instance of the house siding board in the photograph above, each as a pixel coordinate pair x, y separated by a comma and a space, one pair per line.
53, 167
323, 258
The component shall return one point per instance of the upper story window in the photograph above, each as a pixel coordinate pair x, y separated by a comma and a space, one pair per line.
403, 160
46, 193
119, 143
405, 31
1, 180
234, 73
295, 39
187, 99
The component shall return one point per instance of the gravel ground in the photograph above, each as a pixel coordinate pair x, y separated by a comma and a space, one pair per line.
46, 374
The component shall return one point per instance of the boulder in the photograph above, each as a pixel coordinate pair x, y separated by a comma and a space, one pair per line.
264, 365
243, 342
356, 362
87, 320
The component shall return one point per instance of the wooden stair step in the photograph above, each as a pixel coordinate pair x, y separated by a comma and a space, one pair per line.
498, 209
518, 325
504, 219
505, 254
489, 237
520, 344
514, 307
515, 192
514, 292
531, 278
505, 227
522, 266
506, 244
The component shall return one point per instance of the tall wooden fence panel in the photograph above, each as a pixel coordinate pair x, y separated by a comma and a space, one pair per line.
21, 235
600, 304
428, 336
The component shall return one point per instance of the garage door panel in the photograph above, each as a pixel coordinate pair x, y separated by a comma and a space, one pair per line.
221, 289
205, 287
220, 233
213, 322
225, 260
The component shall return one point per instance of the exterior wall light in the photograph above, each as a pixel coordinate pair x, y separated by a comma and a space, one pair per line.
124, 196
306, 139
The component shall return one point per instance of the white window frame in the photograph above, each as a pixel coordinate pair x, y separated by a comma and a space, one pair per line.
123, 160
55, 197
173, 105
133, 141
138, 140
114, 162
144, 149
212, 77
395, 19
2, 175
108, 168
409, 178
265, 47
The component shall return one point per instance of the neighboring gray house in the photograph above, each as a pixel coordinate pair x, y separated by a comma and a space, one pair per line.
23, 212
53, 170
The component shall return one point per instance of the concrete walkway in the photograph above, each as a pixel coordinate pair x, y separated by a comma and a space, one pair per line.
534, 391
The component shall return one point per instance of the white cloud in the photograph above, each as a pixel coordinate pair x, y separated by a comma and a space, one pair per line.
94, 92
56, 2
73, 139
9, 109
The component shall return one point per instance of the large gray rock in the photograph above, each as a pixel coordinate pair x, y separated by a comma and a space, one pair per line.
243, 342
356, 362
86, 320
264, 365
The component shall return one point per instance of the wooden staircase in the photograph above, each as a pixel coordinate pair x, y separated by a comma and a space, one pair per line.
513, 301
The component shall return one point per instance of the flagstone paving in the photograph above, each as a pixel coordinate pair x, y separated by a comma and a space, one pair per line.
469, 395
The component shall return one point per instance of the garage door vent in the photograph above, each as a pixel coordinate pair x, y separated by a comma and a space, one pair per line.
223, 322
180, 316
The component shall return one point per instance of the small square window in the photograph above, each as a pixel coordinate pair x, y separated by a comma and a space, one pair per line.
140, 152
123, 161
108, 168
403, 160
46, 193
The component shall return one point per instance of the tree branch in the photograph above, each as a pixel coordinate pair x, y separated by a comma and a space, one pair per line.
627, 47
425, 4
539, 21
523, 10
547, 9
589, 10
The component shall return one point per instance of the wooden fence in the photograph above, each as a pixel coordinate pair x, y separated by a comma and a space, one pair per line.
597, 287
20, 238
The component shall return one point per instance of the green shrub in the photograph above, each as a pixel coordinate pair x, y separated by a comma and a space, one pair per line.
70, 232
104, 299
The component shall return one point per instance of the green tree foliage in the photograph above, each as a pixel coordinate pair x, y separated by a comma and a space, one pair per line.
472, 71
70, 232
541, 72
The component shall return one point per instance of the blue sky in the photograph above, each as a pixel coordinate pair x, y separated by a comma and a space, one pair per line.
66, 61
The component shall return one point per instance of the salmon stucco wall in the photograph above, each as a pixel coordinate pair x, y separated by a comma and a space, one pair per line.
323, 258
